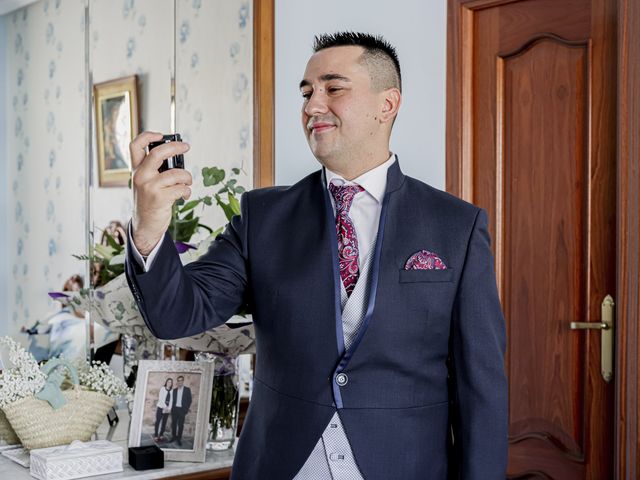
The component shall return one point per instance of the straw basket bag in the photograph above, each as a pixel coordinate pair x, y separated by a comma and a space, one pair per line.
7, 435
73, 414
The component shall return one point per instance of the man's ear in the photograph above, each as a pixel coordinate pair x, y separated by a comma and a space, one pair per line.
392, 98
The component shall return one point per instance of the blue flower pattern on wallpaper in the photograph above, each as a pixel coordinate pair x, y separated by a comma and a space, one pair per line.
243, 15
52, 247
234, 50
50, 35
240, 86
51, 122
18, 127
131, 47
51, 211
244, 137
17, 44
127, 8
18, 212
184, 31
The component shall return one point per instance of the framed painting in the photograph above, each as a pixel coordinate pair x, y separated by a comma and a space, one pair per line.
116, 120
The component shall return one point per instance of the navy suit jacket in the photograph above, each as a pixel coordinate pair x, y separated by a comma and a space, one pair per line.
426, 366
186, 399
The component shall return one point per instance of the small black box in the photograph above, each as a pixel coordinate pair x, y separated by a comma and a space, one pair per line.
146, 458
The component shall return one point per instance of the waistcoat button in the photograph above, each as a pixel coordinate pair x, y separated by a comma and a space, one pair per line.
342, 379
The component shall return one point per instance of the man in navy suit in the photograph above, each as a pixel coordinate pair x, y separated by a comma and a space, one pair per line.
179, 410
379, 335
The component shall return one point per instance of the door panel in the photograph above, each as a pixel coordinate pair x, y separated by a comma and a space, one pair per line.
531, 138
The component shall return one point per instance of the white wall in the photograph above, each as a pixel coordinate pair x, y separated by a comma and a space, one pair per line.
418, 32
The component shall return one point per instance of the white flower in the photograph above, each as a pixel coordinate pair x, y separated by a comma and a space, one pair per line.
24, 377
98, 377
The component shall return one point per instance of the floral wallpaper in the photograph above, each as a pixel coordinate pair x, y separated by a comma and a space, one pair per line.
46, 154
214, 91
47, 124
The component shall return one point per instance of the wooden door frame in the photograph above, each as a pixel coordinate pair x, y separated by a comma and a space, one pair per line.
263, 93
628, 242
459, 161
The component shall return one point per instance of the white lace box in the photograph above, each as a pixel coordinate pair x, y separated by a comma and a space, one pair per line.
76, 460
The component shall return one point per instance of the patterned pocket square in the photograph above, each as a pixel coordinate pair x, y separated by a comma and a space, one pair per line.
424, 260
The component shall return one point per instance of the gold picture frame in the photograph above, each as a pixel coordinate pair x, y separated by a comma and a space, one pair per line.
116, 120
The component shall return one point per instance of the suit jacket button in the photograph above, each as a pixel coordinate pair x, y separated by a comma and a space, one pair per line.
342, 379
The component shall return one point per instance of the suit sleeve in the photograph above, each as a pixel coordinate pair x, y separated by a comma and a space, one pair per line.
178, 301
479, 382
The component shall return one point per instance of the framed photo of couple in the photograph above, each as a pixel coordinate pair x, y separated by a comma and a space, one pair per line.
171, 408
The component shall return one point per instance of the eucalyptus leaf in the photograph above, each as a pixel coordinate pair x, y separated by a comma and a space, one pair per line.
212, 176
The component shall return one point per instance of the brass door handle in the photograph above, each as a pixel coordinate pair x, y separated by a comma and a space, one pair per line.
588, 326
607, 335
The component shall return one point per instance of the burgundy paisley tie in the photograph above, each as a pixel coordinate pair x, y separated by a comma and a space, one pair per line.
347, 240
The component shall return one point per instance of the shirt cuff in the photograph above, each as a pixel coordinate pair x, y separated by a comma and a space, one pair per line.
144, 262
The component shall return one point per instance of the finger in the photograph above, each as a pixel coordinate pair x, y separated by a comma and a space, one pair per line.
148, 169
175, 176
139, 144
178, 191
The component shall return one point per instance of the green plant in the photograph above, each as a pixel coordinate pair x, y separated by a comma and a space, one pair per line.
107, 261
184, 222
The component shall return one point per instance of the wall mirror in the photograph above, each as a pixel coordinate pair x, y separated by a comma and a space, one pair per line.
189, 66
171, 66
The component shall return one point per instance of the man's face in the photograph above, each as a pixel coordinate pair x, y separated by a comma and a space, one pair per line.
340, 108
180, 382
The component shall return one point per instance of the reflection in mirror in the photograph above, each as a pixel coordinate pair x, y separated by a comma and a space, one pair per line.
46, 159
207, 97
214, 93
53, 62
131, 69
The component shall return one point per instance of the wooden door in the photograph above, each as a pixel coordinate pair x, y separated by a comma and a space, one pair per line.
531, 138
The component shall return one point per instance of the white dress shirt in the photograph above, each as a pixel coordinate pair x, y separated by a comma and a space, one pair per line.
179, 397
367, 205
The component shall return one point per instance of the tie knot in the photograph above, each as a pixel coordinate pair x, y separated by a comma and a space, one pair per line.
343, 195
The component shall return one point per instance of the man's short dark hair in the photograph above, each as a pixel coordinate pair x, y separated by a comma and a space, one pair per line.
180, 377
379, 56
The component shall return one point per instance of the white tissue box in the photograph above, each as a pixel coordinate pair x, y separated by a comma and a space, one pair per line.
76, 460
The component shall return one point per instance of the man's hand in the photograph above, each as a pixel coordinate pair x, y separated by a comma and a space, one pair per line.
154, 193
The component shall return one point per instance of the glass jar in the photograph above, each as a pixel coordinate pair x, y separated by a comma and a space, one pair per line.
225, 400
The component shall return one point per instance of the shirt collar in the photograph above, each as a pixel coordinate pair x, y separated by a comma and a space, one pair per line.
374, 181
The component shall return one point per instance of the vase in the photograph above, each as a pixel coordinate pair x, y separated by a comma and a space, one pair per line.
225, 400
